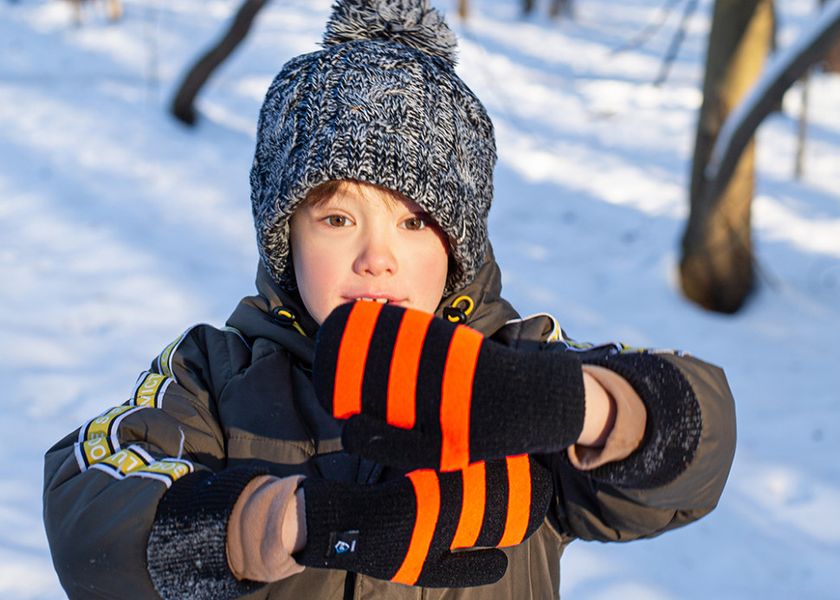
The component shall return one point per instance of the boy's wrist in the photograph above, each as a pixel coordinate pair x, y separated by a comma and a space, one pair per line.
263, 529
293, 533
629, 421
599, 412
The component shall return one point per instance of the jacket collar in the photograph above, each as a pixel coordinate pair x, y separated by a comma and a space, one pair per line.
277, 315
490, 311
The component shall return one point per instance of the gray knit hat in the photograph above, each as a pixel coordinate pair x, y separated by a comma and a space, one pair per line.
381, 103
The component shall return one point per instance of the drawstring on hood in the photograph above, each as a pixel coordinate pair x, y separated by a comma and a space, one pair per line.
459, 309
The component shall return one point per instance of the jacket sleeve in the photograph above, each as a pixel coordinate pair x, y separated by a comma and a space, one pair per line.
138, 497
677, 474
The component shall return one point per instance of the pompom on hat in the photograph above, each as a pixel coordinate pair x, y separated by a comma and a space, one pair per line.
380, 103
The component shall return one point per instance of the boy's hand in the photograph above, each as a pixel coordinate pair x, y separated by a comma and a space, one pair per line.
408, 530
421, 392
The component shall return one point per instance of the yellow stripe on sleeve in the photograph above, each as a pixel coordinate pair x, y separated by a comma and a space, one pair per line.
163, 360
124, 462
101, 426
93, 451
149, 391
167, 470
98, 437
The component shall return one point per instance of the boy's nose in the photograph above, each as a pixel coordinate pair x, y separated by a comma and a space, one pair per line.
375, 258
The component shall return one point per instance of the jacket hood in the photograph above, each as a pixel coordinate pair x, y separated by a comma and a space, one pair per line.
490, 311
280, 315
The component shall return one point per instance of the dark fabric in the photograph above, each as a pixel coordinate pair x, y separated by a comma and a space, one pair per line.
368, 529
520, 402
525, 402
186, 551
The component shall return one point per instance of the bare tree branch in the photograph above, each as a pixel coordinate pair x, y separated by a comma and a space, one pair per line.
197, 76
676, 43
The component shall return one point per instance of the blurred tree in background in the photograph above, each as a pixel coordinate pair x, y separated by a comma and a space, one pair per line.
183, 104
716, 267
555, 8
113, 9
832, 60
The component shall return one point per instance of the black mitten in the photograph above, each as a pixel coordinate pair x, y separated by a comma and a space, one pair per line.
421, 392
414, 530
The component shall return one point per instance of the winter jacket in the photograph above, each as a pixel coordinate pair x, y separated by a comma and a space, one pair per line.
136, 501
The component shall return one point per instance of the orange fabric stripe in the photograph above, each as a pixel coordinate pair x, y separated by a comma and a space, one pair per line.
456, 398
352, 356
519, 500
472, 507
427, 494
405, 362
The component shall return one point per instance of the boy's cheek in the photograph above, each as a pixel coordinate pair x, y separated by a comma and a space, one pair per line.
317, 298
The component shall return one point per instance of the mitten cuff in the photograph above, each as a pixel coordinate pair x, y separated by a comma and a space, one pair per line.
186, 555
674, 422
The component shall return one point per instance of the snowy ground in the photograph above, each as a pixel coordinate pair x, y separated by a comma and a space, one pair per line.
119, 227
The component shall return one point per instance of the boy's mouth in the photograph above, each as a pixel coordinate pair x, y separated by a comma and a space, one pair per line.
374, 298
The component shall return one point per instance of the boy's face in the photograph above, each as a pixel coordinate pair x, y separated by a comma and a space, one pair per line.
362, 242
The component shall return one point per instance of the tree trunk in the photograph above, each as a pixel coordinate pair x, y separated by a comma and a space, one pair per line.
463, 9
802, 129
527, 6
115, 10
832, 60
560, 7
716, 267
197, 76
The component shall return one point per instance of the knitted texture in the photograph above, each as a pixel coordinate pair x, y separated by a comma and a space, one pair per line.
410, 530
407, 22
674, 424
186, 553
381, 103
422, 392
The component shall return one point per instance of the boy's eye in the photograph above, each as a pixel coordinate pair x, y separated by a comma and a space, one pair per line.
415, 223
337, 221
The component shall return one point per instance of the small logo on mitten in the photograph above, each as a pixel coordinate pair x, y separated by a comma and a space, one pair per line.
342, 543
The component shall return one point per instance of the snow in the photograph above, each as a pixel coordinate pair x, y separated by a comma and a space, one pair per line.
120, 228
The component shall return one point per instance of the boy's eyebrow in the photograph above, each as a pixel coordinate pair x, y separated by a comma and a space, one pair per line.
331, 201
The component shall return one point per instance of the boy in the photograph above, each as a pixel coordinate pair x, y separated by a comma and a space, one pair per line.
337, 441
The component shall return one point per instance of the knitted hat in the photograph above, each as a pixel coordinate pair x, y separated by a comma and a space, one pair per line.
381, 103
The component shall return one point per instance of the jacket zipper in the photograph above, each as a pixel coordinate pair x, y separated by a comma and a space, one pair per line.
349, 585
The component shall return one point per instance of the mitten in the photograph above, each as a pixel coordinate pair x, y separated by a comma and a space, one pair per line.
422, 392
416, 529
